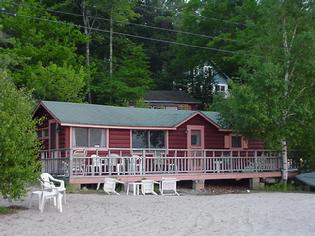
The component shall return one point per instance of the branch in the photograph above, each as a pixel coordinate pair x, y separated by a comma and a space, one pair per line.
293, 35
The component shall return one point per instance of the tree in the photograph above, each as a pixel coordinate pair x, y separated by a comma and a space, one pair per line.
42, 52
156, 14
131, 77
19, 146
276, 98
216, 25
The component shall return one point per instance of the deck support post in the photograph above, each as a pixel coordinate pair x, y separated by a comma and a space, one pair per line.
255, 184
199, 185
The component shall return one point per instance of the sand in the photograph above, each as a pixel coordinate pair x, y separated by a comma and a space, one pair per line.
229, 214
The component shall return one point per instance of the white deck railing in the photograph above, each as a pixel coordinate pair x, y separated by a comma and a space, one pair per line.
98, 162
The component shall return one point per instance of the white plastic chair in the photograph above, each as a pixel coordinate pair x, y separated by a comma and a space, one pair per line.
49, 193
38, 193
147, 187
48, 183
135, 165
109, 185
168, 185
113, 164
78, 164
95, 165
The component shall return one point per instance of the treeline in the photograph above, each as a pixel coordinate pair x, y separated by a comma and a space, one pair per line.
113, 51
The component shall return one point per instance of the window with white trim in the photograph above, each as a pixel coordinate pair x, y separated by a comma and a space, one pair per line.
88, 137
220, 88
154, 139
196, 138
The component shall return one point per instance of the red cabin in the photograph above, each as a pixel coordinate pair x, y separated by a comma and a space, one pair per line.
86, 142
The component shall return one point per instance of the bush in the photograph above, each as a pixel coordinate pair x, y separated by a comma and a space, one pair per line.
19, 146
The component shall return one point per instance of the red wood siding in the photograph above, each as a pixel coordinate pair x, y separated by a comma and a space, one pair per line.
213, 137
119, 138
42, 113
255, 144
61, 137
67, 136
64, 137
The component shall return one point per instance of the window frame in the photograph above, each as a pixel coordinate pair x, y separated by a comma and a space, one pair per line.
148, 139
105, 133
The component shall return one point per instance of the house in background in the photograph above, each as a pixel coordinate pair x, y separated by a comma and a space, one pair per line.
208, 72
171, 99
86, 142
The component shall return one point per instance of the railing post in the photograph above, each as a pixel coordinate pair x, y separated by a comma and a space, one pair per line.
142, 171
256, 161
71, 163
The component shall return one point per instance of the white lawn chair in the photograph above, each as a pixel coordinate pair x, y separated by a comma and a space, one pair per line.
48, 183
168, 185
49, 193
78, 164
95, 165
113, 165
109, 185
147, 187
135, 165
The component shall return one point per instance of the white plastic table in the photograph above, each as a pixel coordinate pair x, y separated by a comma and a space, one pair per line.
135, 186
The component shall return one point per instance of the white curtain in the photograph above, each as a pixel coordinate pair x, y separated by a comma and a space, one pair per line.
103, 141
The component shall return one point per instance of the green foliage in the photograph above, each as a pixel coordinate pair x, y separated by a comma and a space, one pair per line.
284, 187
42, 54
163, 14
5, 210
53, 82
131, 78
18, 141
274, 100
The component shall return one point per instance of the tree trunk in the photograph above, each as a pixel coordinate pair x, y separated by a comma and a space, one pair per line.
284, 161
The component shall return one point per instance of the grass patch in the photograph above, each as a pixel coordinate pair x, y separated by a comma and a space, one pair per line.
285, 187
5, 210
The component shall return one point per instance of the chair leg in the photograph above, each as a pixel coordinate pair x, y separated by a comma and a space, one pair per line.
98, 186
59, 206
42, 204
64, 197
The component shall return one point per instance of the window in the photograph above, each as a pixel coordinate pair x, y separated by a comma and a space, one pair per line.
236, 141
140, 139
148, 139
42, 133
195, 138
220, 88
88, 137
157, 139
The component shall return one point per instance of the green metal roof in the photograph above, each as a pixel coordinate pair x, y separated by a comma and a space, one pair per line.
214, 116
90, 114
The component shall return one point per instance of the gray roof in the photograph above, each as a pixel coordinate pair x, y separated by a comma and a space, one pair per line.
169, 96
89, 114
219, 79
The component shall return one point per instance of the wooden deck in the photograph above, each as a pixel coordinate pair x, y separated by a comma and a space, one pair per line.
89, 166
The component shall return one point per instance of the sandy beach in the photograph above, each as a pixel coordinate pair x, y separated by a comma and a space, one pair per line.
229, 214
